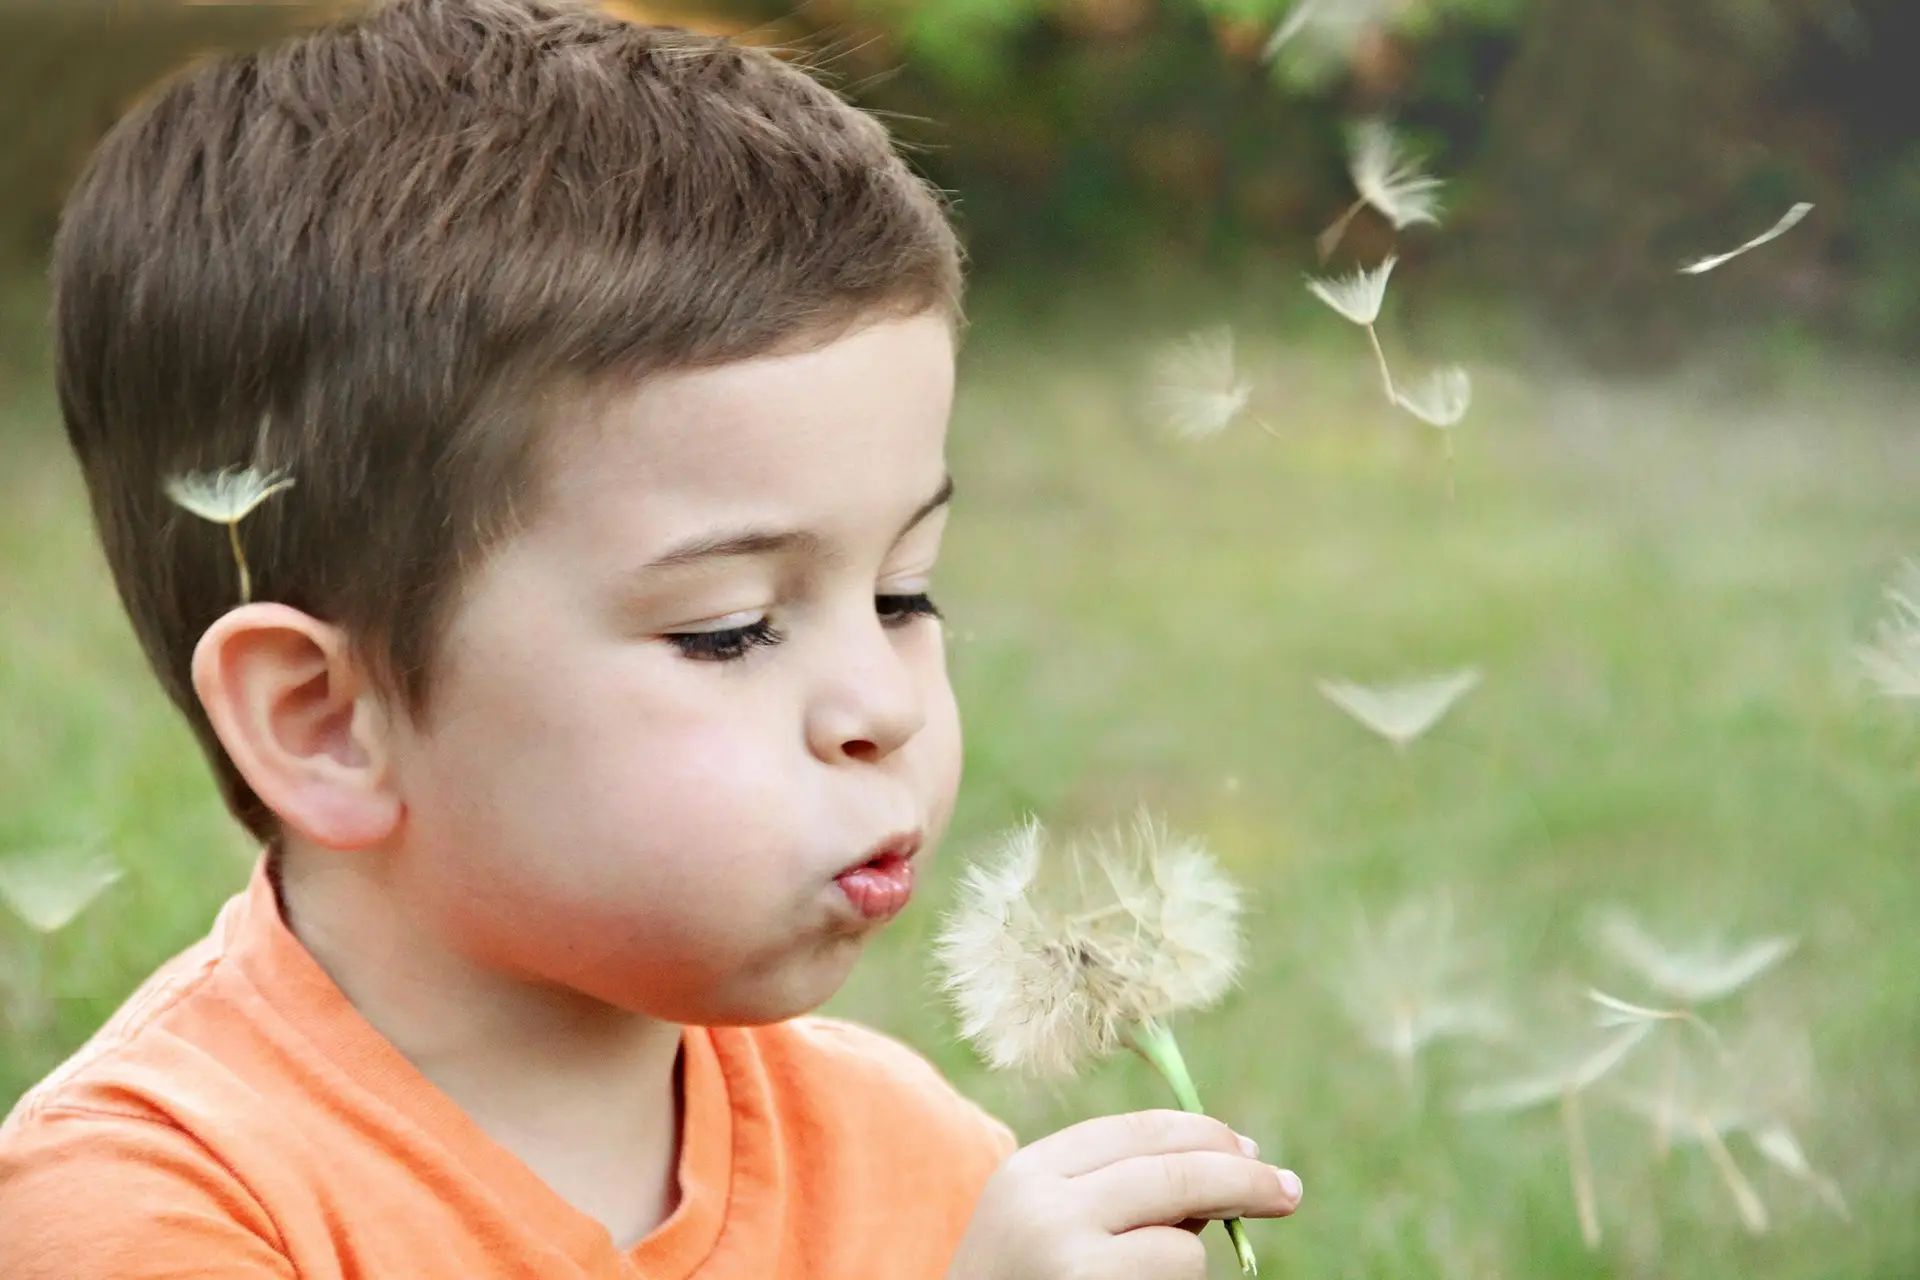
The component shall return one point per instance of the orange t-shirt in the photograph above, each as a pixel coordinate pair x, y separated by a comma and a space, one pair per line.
237, 1118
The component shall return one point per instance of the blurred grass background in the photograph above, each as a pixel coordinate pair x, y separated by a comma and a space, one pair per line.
1677, 503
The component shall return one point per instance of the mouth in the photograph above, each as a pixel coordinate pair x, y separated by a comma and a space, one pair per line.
879, 886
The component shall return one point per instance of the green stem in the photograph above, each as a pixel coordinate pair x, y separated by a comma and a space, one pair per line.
1156, 1044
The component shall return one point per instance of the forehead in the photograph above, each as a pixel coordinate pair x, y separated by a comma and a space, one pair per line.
851, 425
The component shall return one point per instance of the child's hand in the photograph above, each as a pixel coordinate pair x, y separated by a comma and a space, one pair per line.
1118, 1198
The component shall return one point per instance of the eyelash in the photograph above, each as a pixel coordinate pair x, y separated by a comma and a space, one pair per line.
736, 642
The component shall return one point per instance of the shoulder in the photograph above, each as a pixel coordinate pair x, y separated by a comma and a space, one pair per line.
886, 1082
59, 1165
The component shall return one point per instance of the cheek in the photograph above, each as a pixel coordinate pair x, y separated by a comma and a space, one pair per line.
602, 780
940, 747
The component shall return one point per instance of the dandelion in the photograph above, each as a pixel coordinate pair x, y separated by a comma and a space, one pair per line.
1388, 179
1563, 1083
1055, 957
1402, 713
1408, 984
1198, 389
48, 892
1695, 976
1788, 222
1359, 297
227, 497
1892, 662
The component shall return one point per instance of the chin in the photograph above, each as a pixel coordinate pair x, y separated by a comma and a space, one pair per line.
799, 989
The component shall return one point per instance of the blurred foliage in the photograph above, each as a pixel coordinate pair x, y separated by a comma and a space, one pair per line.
1589, 148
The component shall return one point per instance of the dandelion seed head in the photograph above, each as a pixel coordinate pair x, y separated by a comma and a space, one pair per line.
226, 496
1197, 387
1390, 180
1358, 296
1441, 400
1054, 951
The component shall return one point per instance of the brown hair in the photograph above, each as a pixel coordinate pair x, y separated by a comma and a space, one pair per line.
371, 256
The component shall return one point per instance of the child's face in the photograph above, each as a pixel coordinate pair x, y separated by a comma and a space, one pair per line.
700, 685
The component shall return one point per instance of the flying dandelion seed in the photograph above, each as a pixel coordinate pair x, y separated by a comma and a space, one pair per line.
1777, 1143
48, 892
1709, 1128
1699, 975
1747, 1088
1389, 180
1057, 956
1788, 222
1297, 21
1410, 984
1562, 1083
1892, 661
1402, 713
1198, 389
1358, 297
227, 497
1615, 1012
1440, 402
1330, 29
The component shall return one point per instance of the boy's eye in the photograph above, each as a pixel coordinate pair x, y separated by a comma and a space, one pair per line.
727, 645
898, 610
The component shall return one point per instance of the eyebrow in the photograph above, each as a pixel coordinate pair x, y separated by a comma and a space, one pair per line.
760, 542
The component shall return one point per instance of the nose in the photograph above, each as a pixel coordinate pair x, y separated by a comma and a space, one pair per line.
869, 703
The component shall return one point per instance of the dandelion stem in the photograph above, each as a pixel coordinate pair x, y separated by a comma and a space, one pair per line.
1581, 1166
240, 560
1329, 240
1379, 354
1446, 439
1752, 1211
1156, 1044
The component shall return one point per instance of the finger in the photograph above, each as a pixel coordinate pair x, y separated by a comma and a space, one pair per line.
1165, 1253
1164, 1190
1094, 1144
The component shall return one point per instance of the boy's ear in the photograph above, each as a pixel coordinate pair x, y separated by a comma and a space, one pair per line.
302, 722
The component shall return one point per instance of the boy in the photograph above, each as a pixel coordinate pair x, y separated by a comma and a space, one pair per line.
584, 689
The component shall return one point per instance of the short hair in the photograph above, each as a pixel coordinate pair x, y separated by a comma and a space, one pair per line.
377, 256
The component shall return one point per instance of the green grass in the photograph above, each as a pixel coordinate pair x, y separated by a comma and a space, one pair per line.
1661, 583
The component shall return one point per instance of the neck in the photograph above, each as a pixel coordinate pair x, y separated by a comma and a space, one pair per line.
584, 1094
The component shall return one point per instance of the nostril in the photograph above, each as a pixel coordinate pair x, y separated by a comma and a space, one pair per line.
860, 749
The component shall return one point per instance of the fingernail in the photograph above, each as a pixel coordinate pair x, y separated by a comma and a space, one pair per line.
1290, 1184
1248, 1145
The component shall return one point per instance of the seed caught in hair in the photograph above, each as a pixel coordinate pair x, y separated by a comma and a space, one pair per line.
227, 497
